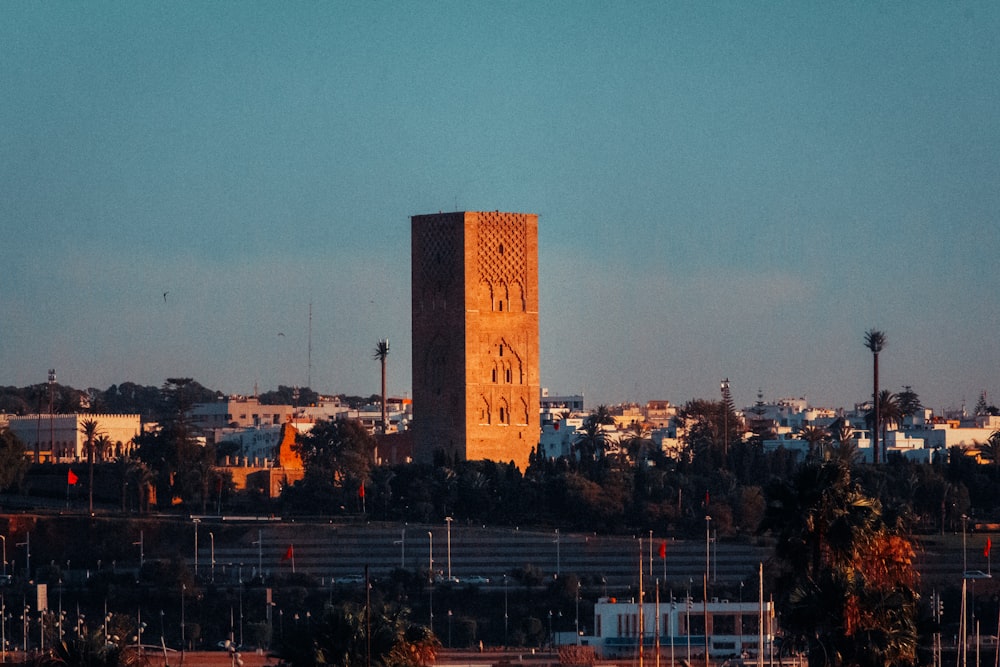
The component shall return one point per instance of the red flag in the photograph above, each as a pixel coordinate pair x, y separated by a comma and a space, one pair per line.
361, 491
290, 554
986, 551
71, 478
663, 550
706, 499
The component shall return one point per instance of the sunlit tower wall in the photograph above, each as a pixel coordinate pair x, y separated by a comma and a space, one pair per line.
475, 335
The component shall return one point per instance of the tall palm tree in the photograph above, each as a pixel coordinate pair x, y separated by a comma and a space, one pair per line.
90, 430
875, 341
380, 354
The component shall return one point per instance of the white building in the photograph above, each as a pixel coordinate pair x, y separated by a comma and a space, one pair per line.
60, 438
733, 628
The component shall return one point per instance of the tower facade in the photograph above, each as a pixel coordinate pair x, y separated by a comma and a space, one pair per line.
475, 335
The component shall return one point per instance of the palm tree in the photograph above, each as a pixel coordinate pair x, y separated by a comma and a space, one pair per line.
637, 442
846, 579
875, 340
591, 441
990, 450
380, 354
89, 429
889, 412
816, 437
103, 446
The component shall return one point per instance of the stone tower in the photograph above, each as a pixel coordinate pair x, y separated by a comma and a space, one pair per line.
475, 335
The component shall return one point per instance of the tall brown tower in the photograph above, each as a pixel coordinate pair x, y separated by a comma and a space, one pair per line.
475, 335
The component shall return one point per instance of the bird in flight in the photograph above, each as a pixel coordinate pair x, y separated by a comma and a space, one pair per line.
165, 296
280, 333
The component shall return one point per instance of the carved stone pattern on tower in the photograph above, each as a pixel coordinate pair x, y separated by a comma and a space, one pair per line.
439, 252
502, 250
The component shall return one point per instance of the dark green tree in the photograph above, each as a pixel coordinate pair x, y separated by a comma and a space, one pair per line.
348, 636
13, 460
338, 457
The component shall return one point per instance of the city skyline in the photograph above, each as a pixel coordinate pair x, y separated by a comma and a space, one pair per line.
723, 190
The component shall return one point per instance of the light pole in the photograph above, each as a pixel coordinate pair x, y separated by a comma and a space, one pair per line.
211, 539
260, 554
430, 577
577, 622
708, 544
650, 554
448, 520
141, 554
183, 638
558, 559
3, 538
505, 610
965, 560
27, 549
196, 521
402, 548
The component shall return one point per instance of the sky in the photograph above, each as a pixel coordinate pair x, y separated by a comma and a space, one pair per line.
737, 190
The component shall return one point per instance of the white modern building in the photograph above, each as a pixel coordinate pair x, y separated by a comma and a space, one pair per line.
682, 628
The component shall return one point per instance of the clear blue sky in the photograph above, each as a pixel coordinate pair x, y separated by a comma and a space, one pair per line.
725, 189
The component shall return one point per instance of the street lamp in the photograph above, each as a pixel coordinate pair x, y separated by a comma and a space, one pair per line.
141, 554
448, 520
577, 622
196, 521
708, 543
3, 538
430, 577
505, 610
211, 538
27, 549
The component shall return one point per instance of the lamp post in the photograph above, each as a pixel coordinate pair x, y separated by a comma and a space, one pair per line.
965, 560
211, 539
260, 554
577, 622
708, 543
402, 548
558, 556
196, 521
448, 520
3, 538
27, 550
505, 610
141, 554
430, 577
